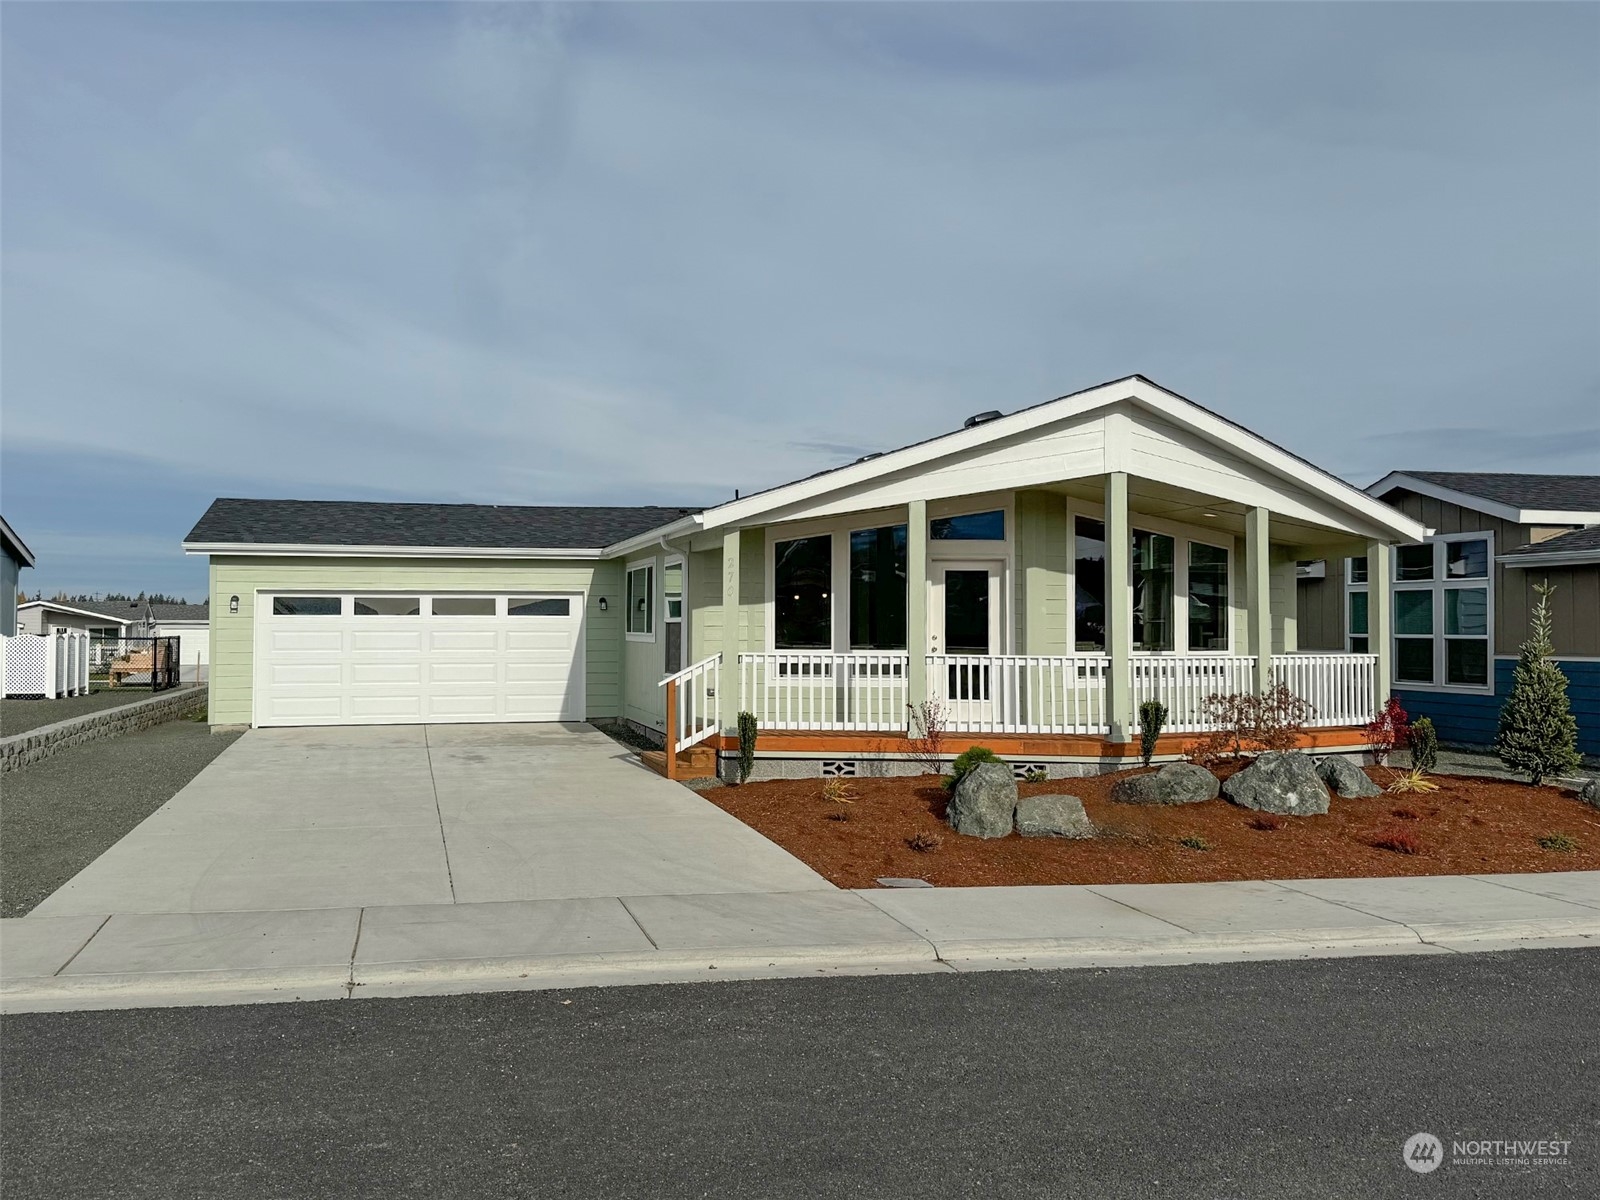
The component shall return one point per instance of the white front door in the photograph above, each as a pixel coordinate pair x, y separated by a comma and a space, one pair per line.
368, 659
965, 624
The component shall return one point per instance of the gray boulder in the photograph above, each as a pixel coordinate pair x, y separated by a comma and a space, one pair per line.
1344, 776
984, 803
1589, 793
1280, 781
1053, 816
1175, 783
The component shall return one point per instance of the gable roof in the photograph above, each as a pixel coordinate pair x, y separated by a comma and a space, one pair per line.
1228, 435
98, 612
1523, 499
181, 612
327, 526
1568, 549
13, 545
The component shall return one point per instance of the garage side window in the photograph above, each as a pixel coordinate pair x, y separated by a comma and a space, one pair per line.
305, 606
641, 606
547, 606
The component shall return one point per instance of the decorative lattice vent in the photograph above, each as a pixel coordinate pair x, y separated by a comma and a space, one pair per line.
1021, 770
839, 768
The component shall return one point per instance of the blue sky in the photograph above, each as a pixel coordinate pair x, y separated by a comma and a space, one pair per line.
621, 254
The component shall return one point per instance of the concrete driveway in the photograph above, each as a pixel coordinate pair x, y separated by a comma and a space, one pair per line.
441, 814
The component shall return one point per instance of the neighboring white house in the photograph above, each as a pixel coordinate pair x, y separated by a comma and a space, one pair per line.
99, 622
14, 555
191, 625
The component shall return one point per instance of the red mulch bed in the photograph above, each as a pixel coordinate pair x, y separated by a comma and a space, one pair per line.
1469, 826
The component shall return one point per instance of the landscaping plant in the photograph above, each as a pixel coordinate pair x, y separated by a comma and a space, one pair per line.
1266, 821
1412, 781
1401, 841
1387, 731
1538, 734
924, 842
1558, 841
1244, 723
1424, 745
925, 738
839, 791
966, 760
747, 745
1194, 842
1152, 719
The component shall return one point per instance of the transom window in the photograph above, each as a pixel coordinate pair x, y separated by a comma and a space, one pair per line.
969, 527
641, 607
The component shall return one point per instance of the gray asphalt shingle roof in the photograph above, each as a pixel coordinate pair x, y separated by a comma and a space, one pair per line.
181, 612
1577, 541
1565, 493
373, 523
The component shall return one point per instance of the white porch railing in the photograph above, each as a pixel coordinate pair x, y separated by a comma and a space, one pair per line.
694, 708
1339, 687
803, 689
48, 665
1183, 681
1014, 693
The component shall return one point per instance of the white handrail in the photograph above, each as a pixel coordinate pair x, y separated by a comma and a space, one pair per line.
813, 689
1339, 687
695, 710
1020, 693
1183, 682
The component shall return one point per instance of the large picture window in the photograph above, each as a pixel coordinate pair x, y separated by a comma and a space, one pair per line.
802, 602
1208, 597
1442, 607
1089, 586
878, 588
641, 601
1154, 590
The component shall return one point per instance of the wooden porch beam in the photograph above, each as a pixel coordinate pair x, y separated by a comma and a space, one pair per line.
1258, 595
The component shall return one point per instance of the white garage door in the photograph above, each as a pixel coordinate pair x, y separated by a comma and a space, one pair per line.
392, 659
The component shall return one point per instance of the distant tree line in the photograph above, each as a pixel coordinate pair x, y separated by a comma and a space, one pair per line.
103, 598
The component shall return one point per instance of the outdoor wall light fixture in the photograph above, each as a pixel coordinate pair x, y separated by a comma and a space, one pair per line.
603, 604
233, 604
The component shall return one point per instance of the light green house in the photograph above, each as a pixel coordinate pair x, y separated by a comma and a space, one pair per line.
1033, 577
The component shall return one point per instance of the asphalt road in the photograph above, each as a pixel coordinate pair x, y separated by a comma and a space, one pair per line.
1240, 1080
60, 814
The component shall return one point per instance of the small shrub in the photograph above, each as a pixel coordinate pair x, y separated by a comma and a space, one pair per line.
1538, 734
925, 736
1244, 723
1266, 821
1404, 814
839, 814
1400, 841
840, 791
1152, 719
1424, 745
924, 842
1194, 842
1412, 782
1035, 775
747, 745
968, 759
1559, 842
1387, 731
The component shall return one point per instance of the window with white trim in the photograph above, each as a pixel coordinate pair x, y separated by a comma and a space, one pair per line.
1443, 605
641, 607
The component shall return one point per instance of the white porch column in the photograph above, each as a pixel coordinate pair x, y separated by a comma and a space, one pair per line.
1380, 619
916, 603
1258, 596
728, 698
1119, 608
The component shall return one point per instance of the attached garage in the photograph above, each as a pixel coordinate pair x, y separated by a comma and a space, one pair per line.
368, 659
355, 613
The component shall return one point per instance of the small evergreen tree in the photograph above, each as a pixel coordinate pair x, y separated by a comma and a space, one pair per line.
1538, 733
1152, 719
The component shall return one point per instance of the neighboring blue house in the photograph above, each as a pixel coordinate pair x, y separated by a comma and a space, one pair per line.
14, 555
1462, 598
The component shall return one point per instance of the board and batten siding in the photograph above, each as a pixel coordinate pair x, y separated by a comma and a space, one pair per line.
233, 634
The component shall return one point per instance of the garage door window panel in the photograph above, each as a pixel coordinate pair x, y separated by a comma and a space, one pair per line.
542, 606
463, 606
307, 606
388, 606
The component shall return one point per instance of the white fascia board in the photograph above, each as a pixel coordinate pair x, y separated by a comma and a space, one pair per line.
682, 527
1493, 508
26, 558
51, 606
263, 550
1572, 558
1171, 407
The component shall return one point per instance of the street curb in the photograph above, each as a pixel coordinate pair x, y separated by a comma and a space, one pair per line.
454, 977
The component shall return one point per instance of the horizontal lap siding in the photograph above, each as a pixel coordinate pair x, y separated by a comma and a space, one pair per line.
233, 634
1473, 720
1043, 622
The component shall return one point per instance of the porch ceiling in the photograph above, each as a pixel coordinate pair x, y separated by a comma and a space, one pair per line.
1154, 498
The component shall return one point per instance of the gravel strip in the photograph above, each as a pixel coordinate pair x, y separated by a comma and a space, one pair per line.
59, 815
19, 716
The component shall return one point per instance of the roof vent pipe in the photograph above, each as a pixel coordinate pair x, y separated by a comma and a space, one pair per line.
994, 414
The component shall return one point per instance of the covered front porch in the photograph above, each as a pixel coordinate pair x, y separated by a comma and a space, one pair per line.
1035, 579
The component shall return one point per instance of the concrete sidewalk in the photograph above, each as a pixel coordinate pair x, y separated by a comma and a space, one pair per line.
165, 959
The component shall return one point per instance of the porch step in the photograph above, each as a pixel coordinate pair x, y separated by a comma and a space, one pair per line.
697, 762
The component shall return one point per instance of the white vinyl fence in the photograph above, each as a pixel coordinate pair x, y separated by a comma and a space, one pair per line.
47, 665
